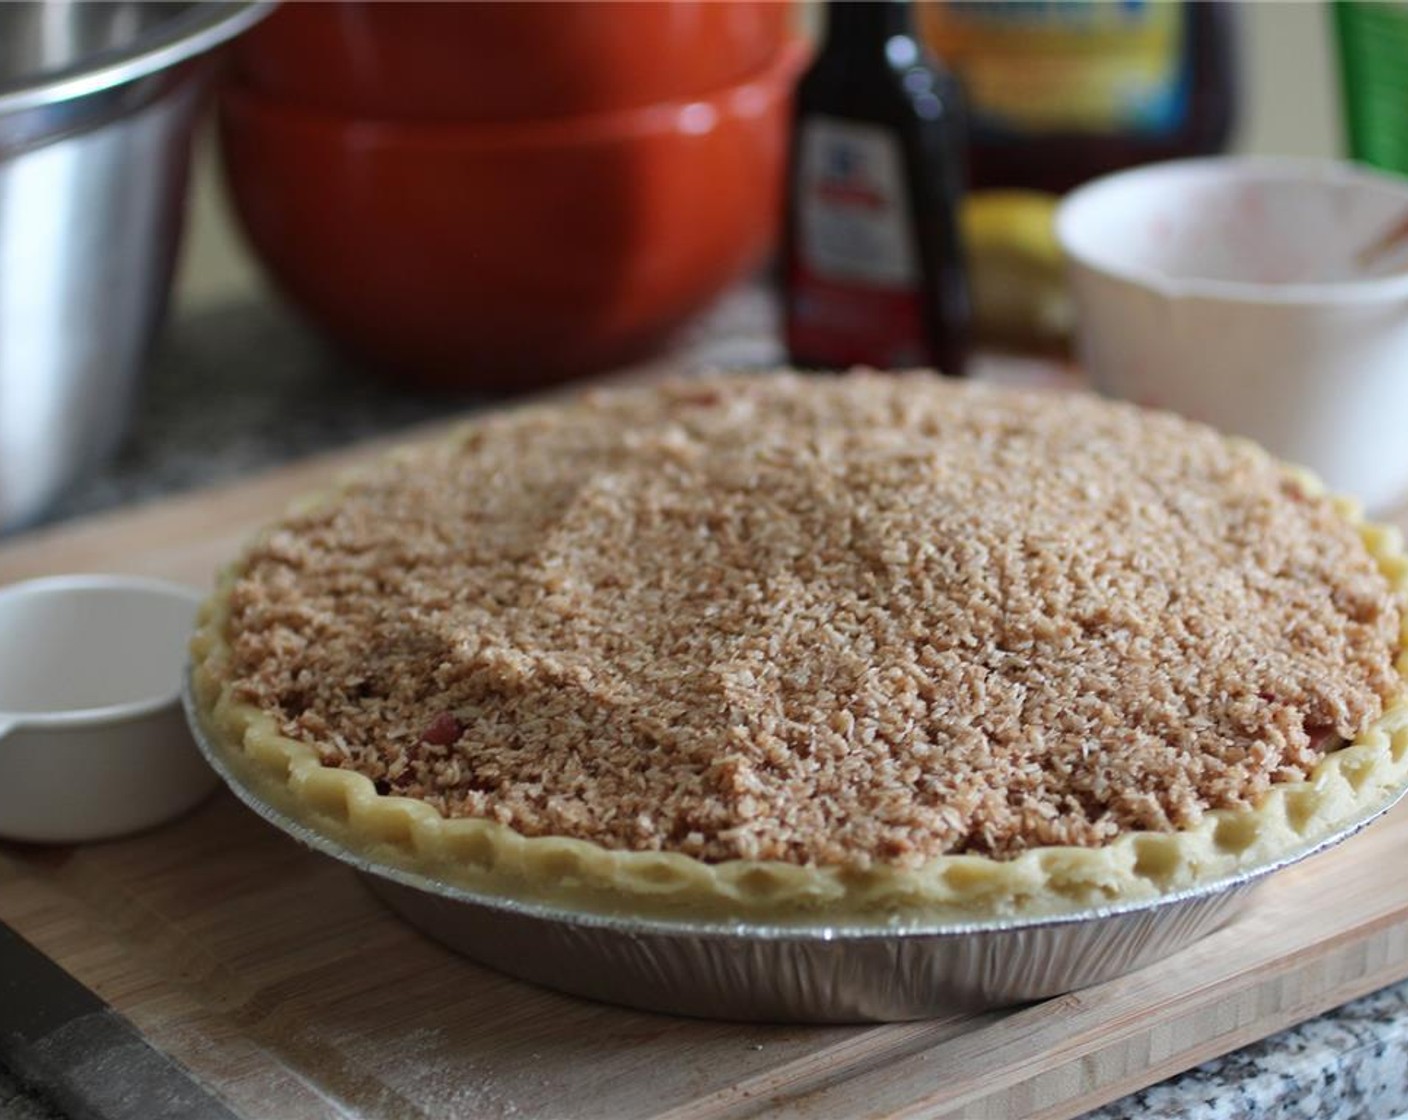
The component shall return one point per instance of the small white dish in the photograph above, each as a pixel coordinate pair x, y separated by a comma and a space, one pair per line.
1235, 291
93, 742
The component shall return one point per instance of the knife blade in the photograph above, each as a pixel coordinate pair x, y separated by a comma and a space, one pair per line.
90, 1061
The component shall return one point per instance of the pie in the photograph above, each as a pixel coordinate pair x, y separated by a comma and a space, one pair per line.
773, 647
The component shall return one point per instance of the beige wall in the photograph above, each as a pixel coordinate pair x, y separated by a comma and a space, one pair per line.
215, 265
1289, 79
1290, 108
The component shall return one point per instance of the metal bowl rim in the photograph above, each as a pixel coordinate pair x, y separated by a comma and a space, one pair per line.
741, 929
200, 28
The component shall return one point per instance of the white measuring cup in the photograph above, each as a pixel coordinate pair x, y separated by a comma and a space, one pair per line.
93, 742
1236, 291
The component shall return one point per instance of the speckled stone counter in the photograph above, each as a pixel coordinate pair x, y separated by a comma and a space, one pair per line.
241, 388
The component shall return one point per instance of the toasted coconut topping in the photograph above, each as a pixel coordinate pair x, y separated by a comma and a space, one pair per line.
821, 620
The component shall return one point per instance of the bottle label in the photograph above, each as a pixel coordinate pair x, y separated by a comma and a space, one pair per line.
855, 283
1103, 66
855, 221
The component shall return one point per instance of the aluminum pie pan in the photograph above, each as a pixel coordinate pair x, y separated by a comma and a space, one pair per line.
798, 973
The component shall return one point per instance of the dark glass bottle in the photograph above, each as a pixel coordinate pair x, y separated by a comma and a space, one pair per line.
873, 269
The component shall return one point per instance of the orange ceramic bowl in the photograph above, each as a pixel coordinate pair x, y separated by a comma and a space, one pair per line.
506, 61
504, 256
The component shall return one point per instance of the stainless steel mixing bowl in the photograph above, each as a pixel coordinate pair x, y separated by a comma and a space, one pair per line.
97, 104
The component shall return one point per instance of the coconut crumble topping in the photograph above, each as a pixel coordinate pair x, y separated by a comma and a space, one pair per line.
828, 621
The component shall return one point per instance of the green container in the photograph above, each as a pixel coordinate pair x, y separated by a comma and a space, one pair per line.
1372, 37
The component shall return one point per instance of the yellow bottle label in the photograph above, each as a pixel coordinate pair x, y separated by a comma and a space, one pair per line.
1064, 65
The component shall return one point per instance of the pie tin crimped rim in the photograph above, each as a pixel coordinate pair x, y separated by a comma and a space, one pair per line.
742, 929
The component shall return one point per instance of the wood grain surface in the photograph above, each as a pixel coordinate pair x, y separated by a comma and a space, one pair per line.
276, 977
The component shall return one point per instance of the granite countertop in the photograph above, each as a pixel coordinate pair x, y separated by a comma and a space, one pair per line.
241, 387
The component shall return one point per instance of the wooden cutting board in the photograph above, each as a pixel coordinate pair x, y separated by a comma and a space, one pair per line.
275, 976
